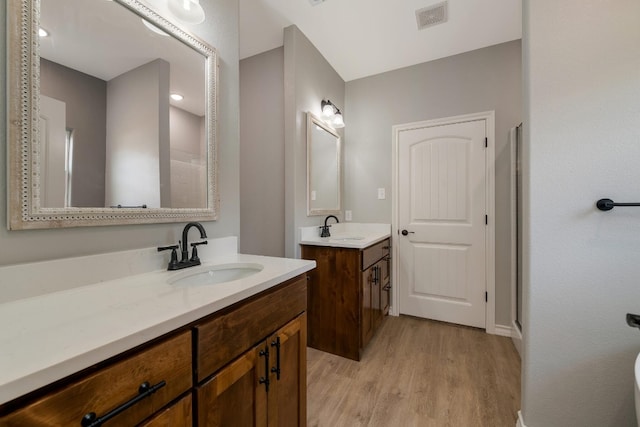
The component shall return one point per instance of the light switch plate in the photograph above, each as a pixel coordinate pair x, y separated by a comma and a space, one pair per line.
347, 215
381, 194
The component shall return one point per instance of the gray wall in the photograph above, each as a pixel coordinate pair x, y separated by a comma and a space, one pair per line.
137, 162
582, 269
221, 31
262, 154
481, 80
85, 97
308, 79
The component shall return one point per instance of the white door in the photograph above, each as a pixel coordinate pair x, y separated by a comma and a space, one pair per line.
441, 208
53, 140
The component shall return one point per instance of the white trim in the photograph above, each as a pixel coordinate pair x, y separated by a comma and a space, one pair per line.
489, 117
503, 331
520, 421
516, 333
514, 227
516, 337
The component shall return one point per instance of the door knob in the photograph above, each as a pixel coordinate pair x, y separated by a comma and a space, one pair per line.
405, 232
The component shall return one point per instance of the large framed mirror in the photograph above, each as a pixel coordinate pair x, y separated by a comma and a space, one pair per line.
323, 168
95, 136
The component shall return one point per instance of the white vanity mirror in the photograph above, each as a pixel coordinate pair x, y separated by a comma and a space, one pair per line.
323, 168
94, 136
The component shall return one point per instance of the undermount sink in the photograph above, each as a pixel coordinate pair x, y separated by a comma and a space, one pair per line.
213, 274
346, 238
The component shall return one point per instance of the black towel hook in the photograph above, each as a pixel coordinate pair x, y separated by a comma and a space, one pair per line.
608, 204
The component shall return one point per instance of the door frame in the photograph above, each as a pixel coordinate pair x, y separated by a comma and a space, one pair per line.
490, 275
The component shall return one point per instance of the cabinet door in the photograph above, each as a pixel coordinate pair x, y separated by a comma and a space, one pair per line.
385, 286
288, 390
376, 289
237, 395
367, 307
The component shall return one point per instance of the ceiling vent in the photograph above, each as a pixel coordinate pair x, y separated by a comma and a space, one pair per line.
432, 15
316, 2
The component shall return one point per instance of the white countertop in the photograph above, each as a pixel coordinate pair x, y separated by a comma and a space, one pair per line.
346, 235
47, 337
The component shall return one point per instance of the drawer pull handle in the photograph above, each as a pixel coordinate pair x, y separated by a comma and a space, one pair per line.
276, 368
265, 380
387, 288
145, 390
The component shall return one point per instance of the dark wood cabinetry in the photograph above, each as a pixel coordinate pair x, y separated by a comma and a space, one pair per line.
265, 386
242, 366
109, 388
348, 296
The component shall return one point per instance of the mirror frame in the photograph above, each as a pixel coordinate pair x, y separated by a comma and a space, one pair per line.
23, 95
311, 121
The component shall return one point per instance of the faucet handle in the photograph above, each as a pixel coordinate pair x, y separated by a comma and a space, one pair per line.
173, 263
194, 251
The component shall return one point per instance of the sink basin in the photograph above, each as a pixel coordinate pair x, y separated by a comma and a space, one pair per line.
346, 238
212, 274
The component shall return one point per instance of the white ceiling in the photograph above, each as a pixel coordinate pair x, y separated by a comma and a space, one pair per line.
360, 38
104, 39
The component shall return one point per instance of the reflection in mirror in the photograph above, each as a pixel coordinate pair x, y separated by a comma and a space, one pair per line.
323, 168
107, 143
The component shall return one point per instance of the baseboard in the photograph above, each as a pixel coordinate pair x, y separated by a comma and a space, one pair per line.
516, 337
503, 331
520, 422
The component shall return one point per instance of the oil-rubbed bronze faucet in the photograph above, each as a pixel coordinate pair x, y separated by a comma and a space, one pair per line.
324, 229
185, 262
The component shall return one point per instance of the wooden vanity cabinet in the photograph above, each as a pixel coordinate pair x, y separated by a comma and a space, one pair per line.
266, 386
266, 383
108, 388
347, 296
213, 372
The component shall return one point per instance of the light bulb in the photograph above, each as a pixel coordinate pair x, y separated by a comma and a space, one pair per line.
42, 32
327, 111
338, 121
177, 97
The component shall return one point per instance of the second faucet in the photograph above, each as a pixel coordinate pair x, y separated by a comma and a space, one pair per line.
324, 229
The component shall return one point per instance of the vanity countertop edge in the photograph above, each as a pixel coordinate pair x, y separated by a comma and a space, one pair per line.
346, 235
335, 242
51, 336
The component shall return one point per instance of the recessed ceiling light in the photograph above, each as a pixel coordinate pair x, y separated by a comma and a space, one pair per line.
187, 11
177, 97
43, 33
153, 28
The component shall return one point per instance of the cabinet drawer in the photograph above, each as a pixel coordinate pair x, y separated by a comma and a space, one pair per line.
232, 332
107, 389
375, 252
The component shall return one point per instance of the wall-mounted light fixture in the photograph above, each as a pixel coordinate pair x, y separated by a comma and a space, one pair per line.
331, 114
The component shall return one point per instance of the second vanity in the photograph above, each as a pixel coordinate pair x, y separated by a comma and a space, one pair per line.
154, 349
349, 291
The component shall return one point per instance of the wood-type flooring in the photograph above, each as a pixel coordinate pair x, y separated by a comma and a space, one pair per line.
417, 372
